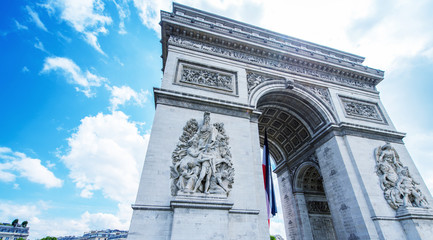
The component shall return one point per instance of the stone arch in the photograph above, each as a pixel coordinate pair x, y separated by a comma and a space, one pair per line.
316, 99
302, 171
292, 117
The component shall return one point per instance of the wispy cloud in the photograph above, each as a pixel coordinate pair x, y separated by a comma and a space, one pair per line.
35, 18
85, 80
123, 94
16, 164
39, 45
123, 10
86, 17
20, 26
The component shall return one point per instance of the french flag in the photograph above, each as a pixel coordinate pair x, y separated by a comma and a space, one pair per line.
267, 178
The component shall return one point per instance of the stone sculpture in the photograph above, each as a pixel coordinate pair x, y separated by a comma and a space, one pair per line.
399, 188
202, 160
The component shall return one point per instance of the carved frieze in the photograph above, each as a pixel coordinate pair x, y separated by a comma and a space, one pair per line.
293, 67
206, 78
399, 188
361, 109
202, 161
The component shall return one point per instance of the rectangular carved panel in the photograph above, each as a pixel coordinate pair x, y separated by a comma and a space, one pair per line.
360, 109
207, 78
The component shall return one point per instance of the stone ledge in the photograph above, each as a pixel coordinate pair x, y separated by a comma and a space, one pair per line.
150, 207
201, 202
201, 103
244, 211
404, 213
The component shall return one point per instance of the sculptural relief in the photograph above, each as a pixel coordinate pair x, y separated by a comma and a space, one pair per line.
207, 78
202, 160
399, 188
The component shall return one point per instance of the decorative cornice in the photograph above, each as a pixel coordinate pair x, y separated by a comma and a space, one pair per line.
207, 27
201, 103
292, 65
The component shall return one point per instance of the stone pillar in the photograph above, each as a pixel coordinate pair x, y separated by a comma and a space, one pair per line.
349, 211
161, 213
304, 220
288, 204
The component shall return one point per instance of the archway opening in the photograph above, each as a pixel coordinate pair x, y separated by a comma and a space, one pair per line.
292, 122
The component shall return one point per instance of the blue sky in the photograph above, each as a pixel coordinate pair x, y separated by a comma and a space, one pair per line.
76, 101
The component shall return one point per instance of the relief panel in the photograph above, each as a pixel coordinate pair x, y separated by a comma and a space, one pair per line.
360, 109
206, 78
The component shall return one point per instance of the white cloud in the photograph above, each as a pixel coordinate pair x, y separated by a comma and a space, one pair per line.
107, 154
277, 222
123, 10
35, 18
123, 94
20, 26
58, 226
84, 80
86, 17
39, 45
17, 164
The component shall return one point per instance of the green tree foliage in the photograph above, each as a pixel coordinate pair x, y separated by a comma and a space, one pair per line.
15, 222
20, 238
24, 224
273, 238
49, 238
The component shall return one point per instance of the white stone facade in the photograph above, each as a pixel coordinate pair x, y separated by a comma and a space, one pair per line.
324, 120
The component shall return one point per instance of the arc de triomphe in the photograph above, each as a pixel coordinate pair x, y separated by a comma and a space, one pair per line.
342, 167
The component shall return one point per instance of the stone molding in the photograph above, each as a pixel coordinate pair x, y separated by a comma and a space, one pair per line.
204, 203
290, 65
206, 78
201, 103
404, 213
150, 207
195, 23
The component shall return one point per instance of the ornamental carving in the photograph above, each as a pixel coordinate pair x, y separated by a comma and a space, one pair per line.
254, 79
207, 78
319, 207
321, 93
280, 65
361, 109
202, 161
399, 188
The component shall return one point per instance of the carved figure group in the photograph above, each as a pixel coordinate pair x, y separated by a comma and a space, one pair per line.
202, 160
398, 186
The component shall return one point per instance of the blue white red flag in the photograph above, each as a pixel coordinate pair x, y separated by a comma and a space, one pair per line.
267, 177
